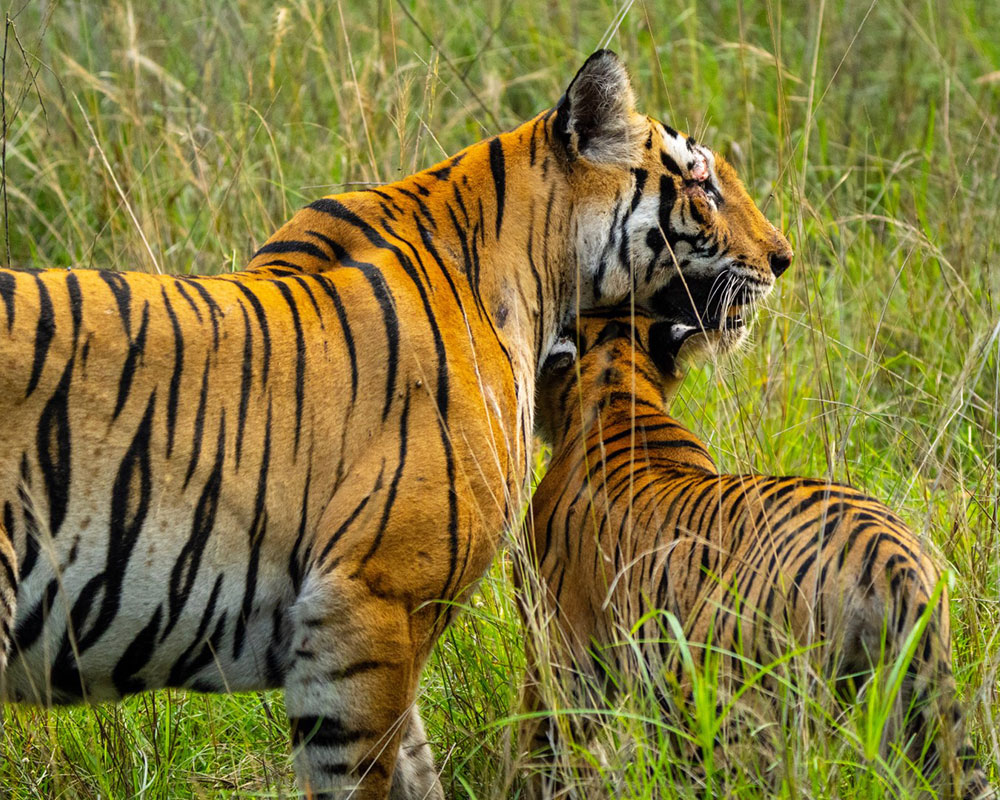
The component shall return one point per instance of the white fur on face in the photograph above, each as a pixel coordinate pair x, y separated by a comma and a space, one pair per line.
597, 240
696, 162
616, 251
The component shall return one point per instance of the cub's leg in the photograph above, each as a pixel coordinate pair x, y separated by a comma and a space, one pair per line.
350, 690
538, 737
936, 732
933, 721
8, 594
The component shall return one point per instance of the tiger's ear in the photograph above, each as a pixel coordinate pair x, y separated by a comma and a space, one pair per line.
595, 116
561, 356
665, 340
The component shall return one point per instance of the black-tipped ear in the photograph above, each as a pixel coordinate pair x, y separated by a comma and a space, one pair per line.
594, 117
664, 345
560, 357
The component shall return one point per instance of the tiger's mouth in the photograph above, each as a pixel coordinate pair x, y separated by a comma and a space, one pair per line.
708, 314
723, 304
732, 326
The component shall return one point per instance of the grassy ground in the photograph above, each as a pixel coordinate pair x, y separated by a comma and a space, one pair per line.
179, 135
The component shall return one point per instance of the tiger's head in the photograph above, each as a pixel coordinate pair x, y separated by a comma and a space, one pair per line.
659, 214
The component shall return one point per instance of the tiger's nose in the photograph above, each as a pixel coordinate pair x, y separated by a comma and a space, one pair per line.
780, 260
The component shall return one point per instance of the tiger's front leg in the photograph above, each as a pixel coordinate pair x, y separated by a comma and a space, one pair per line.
363, 624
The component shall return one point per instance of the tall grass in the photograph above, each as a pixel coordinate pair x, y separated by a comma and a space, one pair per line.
177, 136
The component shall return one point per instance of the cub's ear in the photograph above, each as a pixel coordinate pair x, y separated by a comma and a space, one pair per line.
560, 357
665, 340
595, 116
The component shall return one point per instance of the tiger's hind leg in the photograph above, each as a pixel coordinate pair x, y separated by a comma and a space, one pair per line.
349, 693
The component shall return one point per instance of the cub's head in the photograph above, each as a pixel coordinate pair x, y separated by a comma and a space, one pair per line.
659, 214
605, 356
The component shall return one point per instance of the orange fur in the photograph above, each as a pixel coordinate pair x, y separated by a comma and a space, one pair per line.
292, 475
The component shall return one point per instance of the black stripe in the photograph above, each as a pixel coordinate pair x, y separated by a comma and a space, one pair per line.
332, 541
31, 624
265, 328
330, 288
53, 443
300, 360
293, 246
246, 378
396, 209
292, 269
186, 666
640, 182
8, 566
136, 350
532, 146
376, 280
44, 332
439, 348
183, 575
199, 426
295, 563
428, 241
122, 293
357, 668
136, 656
420, 204
445, 171
463, 240
257, 530
312, 298
130, 499
390, 498
75, 305
277, 647
325, 732
670, 164
443, 403
214, 312
173, 395
179, 285
539, 294
461, 203
8, 292
31, 532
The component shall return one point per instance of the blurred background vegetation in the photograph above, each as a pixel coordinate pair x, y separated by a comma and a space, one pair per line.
177, 136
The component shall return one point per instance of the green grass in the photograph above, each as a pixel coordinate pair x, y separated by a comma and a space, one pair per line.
179, 135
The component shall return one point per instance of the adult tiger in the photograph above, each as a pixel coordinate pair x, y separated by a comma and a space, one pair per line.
268, 478
633, 518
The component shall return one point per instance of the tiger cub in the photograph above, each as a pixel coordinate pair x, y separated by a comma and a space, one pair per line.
633, 517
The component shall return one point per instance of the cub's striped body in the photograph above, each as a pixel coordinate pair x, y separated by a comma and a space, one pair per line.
271, 478
632, 517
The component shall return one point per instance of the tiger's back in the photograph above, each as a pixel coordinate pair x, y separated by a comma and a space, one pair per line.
632, 519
